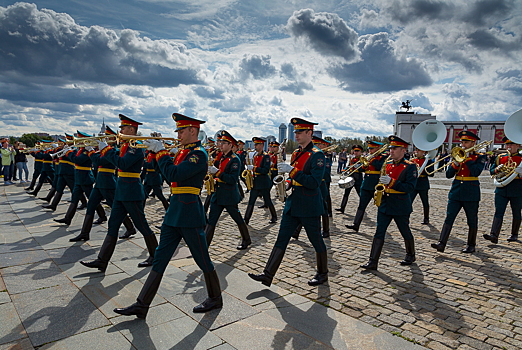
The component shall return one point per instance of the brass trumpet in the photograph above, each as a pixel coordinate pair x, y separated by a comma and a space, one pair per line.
363, 162
92, 141
247, 174
132, 139
380, 187
279, 180
458, 154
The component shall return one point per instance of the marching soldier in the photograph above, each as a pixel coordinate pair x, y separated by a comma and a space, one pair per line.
216, 159
153, 182
128, 197
423, 184
184, 219
226, 195
371, 179
242, 153
511, 193
239, 154
357, 176
399, 180
56, 148
273, 148
262, 182
47, 173
304, 206
38, 165
464, 193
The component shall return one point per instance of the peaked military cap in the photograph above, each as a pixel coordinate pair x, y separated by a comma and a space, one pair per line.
274, 144
259, 140
374, 144
225, 136
128, 121
357, 148
182, 121
109, 131
318, 140
466, 135
69, 136
396, 141
507, 141
82, 134
240, 142
301, 124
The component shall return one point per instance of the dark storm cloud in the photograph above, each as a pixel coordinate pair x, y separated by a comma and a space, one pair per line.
414, 10
43, 43
481, 11
297, 88
256, 67
326, 33
210, 92
380, 69
485, 39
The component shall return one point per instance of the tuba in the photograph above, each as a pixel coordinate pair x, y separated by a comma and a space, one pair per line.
247, 174
512, 130
459, 154
428, 136
279, 180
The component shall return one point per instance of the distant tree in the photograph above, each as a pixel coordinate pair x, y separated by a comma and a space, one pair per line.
31, 139
291, 146
47, 138
12, 140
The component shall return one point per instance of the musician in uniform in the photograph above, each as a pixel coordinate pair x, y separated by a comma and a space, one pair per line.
185, 217
423, 184
38, 165
227, 193
304, 206
242, 153
47, 173
216, 159
152, 182
128, 197
238, 153
464, 193
262, 182
371, 179
510, 193
57, 147
399, 178
356, 171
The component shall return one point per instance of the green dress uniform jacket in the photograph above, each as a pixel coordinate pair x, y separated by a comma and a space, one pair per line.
372, 173
152, 177
261, 171
48, 165
227, 192
396, 199
306, 177
106, 176
83, 165
186, 175
129, 162
514, 189
466, 186
67, 164
328, 171
38, 164
423, 184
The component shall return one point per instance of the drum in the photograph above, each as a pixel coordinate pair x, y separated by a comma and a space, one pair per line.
346, 182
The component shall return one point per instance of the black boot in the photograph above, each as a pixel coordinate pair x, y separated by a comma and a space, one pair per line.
209, 233
444, 235
106, 251
329, 206
50, 195
410, 252
272, 210
326, 225
206, 205
514, 231
322, 269
271, 267
86, 229
375, 254
214, 300
148, 291
359, 215
130, 230
102, 217
83, 202
36, 190
297, 231
472, 240
152, 244
241, 193
31, 186
248, 213
495, 230
69, 215
426, 220
55, 202
343, 202
245, 237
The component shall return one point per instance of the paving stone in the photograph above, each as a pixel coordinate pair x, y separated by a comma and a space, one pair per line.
22, 344
100, 338
55, 313
11, 328
22, 258
23, 278
4, 298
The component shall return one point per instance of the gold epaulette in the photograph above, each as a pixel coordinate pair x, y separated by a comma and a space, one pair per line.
316, 149
408, 161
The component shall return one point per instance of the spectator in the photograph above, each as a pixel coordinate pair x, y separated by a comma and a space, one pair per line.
334, 158
343, 158
21, 163
7, 152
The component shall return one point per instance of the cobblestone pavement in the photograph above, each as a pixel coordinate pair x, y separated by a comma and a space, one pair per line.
445, 300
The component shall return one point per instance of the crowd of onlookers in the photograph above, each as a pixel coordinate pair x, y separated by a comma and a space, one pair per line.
12, 160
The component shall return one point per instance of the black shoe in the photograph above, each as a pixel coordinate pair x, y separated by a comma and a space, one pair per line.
136, 309
472, 241
322, 270
248, 213
245, 237
271, 267
152, 244
266, 280
106, 251
273, 213
410, 252
100, 220
55, 202
214, 300
326, 226
149, 290
515, 226
375, 254
86, 229
147, 262
444, 235
65, 220
426, 220
209, 304
95, 264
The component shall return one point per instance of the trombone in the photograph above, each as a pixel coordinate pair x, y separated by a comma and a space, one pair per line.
458, 154
132, 139
91, 141
363, 163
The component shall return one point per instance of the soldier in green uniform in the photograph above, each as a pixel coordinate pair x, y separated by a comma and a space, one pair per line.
371, 179
56, 148
357, 176
304, 206
152, 181
423, 184
128, 197
510, 193
262, 183
214, 160
38, 165
464, 193
242, 153
184, 219
239, 154
399, 181
47, 173
226, 195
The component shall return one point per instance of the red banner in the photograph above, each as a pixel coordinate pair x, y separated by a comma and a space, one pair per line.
499, 135
455, 137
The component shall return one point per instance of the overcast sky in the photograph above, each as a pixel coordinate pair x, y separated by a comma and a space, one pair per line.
248, 66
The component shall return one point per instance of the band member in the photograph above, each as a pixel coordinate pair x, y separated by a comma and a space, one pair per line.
511, 193
47, 173
56, 148
239, 154
357, 176
38, 165
423, 184
464, 193
128, 198
304, 205
226, 195
262, 182
399, 181
216, 159
371, 179
152, 182
185, 217
242, 153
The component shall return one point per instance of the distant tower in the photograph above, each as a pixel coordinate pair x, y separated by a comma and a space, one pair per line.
318, 133
102, 130
282, 132
269, 138
291, 135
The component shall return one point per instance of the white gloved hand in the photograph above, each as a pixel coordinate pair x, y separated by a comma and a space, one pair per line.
54, 145
102, 144
386, 179
518, 169
284, 168
154, 145
212, 169
250, 167
89, 148
173, 150
497, 169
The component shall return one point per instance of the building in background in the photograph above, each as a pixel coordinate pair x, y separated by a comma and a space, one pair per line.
291, 135
318, 133
282, 132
